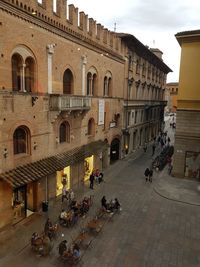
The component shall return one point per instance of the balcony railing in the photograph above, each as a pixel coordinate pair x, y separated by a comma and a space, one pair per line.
144, 103
66, 102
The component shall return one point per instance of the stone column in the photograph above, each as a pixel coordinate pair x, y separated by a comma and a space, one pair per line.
23, 89
50, 52
84, 62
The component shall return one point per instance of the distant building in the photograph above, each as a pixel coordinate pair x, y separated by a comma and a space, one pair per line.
144, 102
187, 138
172, 92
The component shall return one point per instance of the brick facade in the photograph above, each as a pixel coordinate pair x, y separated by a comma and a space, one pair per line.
44, 53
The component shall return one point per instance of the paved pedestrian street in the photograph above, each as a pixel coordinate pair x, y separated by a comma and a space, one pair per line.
158, 226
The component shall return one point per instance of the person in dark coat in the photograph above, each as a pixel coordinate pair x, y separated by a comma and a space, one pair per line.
153, 148
104, 202
62, 247
91, 180
150, 175
146, 174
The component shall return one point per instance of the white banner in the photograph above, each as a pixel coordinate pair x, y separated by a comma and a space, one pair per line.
101, 111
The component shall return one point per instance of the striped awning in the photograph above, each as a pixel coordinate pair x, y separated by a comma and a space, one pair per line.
34, 171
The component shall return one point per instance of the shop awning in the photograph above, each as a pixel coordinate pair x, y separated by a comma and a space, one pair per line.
28, 173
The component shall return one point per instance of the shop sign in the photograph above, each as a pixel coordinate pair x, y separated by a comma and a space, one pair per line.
112, 124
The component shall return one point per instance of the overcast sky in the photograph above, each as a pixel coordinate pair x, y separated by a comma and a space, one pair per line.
153, 22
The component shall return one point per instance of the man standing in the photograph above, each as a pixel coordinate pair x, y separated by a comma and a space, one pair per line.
146, 174
150, 175
91, 180
153, 148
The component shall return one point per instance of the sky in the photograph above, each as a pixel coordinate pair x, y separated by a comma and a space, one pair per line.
153, 22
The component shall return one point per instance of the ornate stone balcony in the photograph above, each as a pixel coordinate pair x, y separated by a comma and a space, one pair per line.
69, 103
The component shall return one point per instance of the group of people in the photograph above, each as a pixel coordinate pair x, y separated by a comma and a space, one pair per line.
69, 252
67, 194
76, 209
163, 139
68, 218
110, 206
50, 229
41, 244
95, 176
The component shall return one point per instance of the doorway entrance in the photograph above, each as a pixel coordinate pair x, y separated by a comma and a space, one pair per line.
19, 203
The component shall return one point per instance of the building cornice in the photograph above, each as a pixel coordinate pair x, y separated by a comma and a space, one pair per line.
68, 33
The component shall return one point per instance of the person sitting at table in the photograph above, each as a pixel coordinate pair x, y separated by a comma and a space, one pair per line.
74, 205
46, 246
62, 215
85, 204
76, 251
35, 240
104, 203
117, 204
74, 217
62, 248
111, 205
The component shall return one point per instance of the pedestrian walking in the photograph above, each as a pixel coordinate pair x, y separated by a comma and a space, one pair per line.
150, 175
153, 148
146, 174
145, 147
71, 195
64, 193
92, 180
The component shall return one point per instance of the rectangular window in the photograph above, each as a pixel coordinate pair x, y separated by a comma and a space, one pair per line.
136, 117
129, 118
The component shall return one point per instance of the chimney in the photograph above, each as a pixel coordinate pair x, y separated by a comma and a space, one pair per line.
157, 52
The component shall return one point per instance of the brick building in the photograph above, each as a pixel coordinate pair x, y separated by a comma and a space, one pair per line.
62, 101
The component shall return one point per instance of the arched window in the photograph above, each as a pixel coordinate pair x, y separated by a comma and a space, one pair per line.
105, 85
143, 69
89, 83
110, 86
94, 85
17, 72
91, 127
68, 82
138, 66
23, 70
64, 132
20, 140
29, 74
107, 91
92, 82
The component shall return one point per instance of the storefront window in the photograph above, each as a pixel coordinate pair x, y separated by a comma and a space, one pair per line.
89, 166
63, 179
192, 165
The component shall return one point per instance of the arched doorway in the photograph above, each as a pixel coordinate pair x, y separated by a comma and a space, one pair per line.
114, 150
